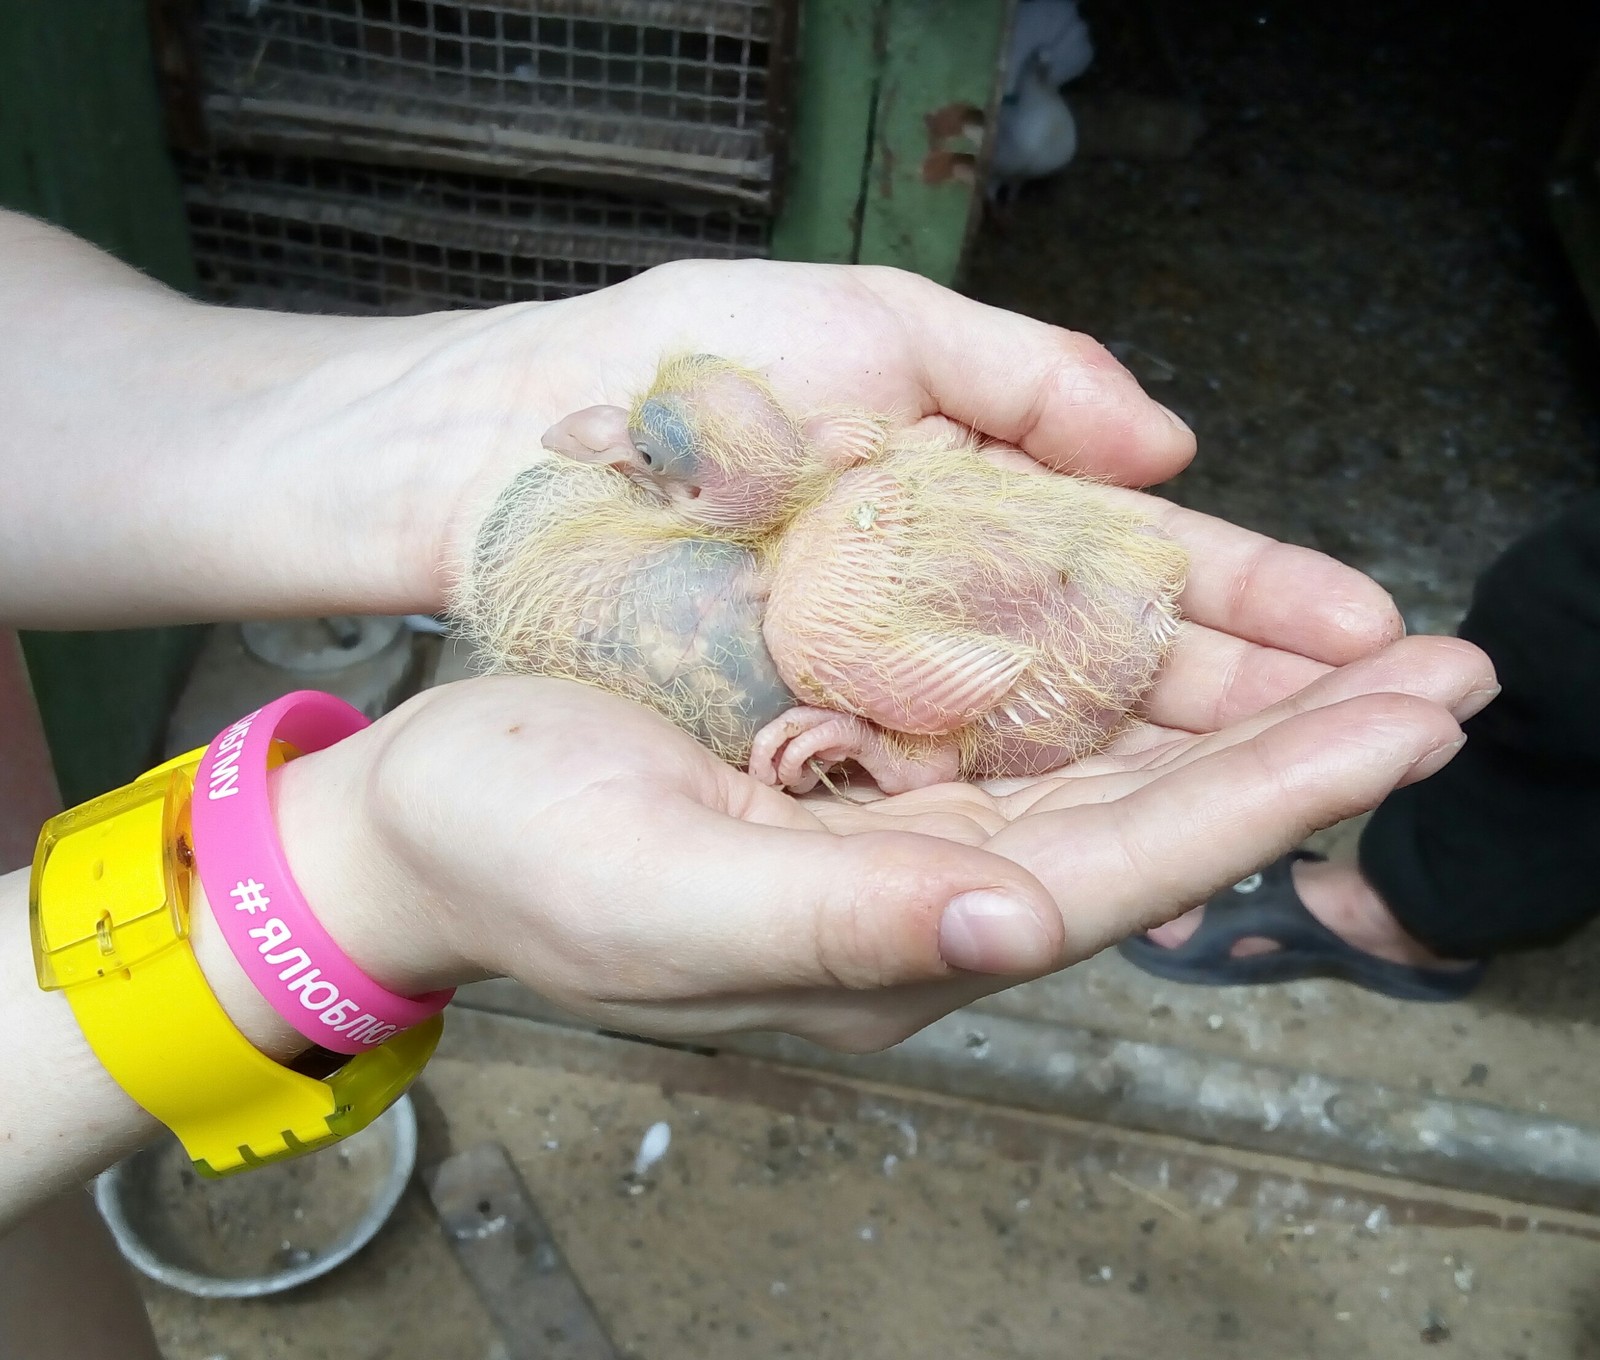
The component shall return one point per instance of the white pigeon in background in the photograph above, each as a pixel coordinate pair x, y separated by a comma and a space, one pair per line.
1057, 32
1037, 135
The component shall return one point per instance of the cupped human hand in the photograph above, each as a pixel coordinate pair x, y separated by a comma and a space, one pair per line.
584, 846
577, 842
1263, 619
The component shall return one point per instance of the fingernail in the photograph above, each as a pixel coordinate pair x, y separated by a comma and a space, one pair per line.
1433, 762
1369, 625
1176, 419
1475, 702
990, 932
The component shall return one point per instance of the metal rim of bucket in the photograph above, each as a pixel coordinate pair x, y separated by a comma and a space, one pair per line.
399, 1121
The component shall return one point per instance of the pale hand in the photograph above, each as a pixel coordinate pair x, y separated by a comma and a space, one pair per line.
589, 849
1264, 618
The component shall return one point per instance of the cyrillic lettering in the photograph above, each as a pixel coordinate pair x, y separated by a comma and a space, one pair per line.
297, 953
271, 932
313, 982
336, 1014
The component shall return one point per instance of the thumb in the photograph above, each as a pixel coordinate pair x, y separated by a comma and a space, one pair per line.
781, 906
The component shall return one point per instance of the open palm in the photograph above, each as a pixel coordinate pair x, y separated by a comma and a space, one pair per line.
584, 845
1163, 819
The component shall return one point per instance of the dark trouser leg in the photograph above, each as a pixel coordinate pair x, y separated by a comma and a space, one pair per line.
1501, 849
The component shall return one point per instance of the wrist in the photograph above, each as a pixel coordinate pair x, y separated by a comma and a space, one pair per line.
250, 1012
317, 434
332, 456
367, 448
406, 429
375, 911
302, 436
369, 908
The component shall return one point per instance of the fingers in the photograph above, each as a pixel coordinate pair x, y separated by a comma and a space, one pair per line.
1057, 395
1251, 586
868, 1023
849, 1022
1125, 865
1211, 679
1444, 671
959, 812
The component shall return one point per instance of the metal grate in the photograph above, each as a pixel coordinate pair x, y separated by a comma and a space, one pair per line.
681, 95
300, 235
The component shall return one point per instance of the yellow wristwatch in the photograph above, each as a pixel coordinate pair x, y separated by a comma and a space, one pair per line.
109, 911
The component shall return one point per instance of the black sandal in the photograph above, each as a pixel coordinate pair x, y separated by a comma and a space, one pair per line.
1266, 906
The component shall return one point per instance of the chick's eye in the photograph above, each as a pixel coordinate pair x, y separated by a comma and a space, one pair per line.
649, 458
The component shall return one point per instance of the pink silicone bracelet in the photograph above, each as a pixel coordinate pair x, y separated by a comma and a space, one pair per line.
239, 857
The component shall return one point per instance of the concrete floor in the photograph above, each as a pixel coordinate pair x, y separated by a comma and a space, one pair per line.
1349, 289
806, 1216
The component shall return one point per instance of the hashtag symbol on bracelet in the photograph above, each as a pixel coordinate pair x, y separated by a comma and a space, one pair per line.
252, 896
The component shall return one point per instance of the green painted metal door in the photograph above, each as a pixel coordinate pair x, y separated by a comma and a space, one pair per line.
891, 97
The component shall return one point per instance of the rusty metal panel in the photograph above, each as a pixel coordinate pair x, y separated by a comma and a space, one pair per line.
938, 93
895, 97
837, 64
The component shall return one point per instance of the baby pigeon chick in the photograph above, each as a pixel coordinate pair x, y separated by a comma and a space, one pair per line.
711, 440
939, 615
914, 604
942, 615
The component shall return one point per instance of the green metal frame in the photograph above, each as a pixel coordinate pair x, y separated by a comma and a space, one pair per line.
889, 100
82, 145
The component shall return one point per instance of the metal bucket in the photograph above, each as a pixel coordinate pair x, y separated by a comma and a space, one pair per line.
265, 1231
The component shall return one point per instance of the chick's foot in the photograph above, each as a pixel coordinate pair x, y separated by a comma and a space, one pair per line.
789, 752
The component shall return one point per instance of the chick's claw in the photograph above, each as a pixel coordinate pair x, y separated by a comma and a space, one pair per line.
792, 751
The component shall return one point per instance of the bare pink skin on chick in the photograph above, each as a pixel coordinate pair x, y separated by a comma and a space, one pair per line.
1007, 663
710, 439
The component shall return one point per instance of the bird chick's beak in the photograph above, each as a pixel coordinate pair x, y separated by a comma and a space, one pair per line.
596, 435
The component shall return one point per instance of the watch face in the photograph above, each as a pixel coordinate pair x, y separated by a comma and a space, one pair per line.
109, 891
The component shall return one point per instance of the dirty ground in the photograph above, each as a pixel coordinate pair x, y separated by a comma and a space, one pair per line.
797, 1215
1350, 290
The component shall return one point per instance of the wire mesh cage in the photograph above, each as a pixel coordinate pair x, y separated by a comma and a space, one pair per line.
680, 96
306, 235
